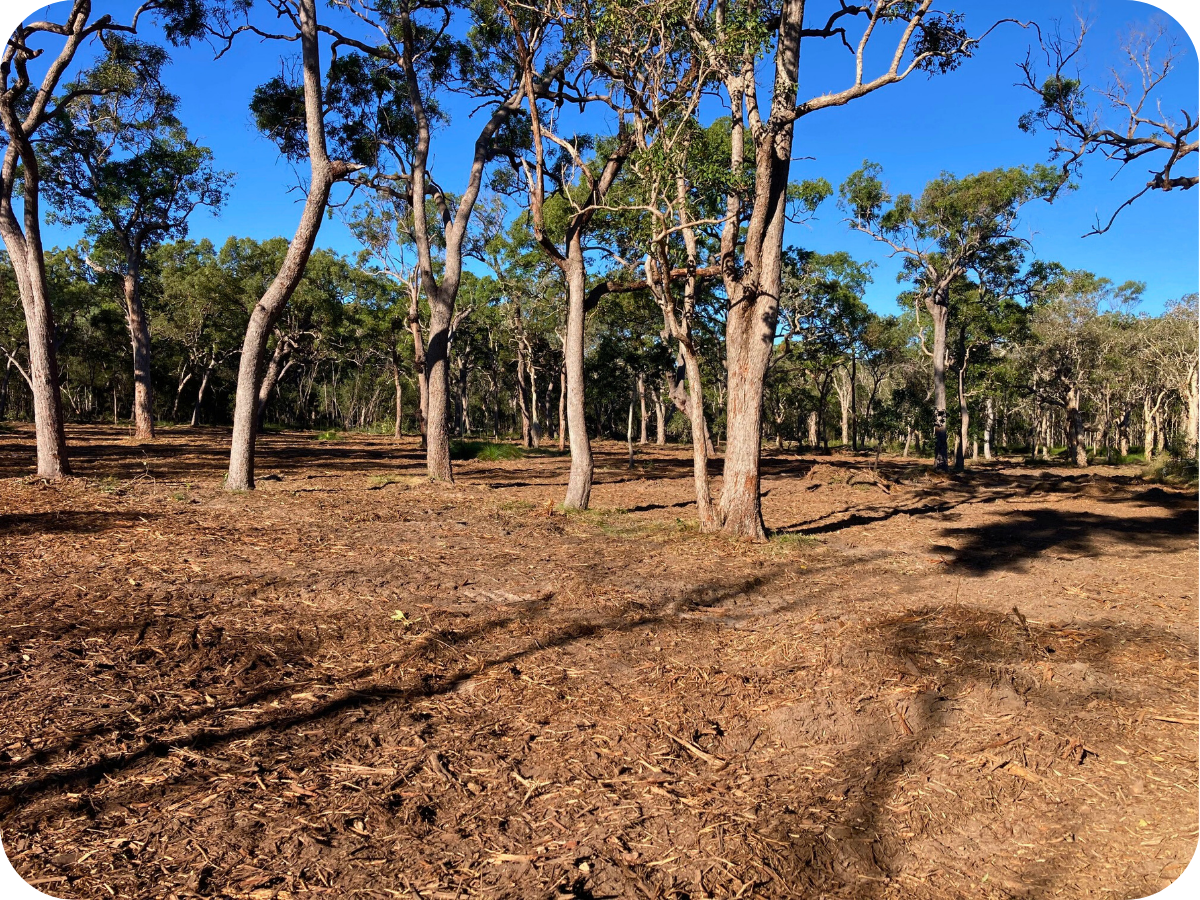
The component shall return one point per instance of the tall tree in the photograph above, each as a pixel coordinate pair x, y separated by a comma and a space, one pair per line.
295, 116
942, 235
27, 103
121, 164
751, 250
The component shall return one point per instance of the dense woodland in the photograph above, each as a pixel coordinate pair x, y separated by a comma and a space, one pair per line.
632, 284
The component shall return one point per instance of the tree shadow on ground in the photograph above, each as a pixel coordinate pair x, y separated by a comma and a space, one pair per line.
68, 521
440, 641
1022, 535
862, 835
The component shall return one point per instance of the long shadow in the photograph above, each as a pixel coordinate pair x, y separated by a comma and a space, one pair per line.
69, 521
1023, 535
973, 648
634, 615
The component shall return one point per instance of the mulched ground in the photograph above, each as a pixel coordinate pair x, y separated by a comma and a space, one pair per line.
352, 682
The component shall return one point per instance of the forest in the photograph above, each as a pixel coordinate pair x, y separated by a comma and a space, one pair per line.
634, 505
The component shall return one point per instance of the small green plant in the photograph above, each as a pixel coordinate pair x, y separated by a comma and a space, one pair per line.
1173, 469
398, 616
330, 435
484, 451
109, 484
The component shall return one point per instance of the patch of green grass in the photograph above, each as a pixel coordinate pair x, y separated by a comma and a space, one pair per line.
382, 481
109, 484
331, 435
792, 539
484, 451
1170, 468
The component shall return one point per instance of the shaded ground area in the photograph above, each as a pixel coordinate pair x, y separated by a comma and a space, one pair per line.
353, 682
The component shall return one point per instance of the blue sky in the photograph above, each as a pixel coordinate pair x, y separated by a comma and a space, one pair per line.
962, 122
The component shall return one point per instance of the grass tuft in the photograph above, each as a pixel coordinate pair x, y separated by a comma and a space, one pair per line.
484, 451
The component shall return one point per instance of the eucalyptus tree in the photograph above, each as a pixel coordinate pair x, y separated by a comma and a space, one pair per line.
1171, 342
398, 81
1071, 328
1126, 121
35, 64
946, 232
733, 43
121, 164
201, 314
295, 116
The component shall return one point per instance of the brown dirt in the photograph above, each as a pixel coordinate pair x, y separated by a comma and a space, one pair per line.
353, 682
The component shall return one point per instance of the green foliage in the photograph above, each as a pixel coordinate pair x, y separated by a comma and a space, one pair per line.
484, 451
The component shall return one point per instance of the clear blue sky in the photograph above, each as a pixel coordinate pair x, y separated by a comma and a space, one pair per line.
962, 122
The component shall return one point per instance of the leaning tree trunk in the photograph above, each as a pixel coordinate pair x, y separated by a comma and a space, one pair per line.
398, 431
579, 483
280, 363
940, 313
200, 394
270, 306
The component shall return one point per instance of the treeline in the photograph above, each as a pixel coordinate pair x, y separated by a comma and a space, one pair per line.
610, 260
1073, 370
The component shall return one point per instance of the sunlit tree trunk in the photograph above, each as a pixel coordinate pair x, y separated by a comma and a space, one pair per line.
579, 482
139, 336
270, 307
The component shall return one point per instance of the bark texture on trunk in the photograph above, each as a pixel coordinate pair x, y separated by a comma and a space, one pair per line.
940, 313
139, 336
579, 482
1076, 445
437, 381
562, 409
1190, 392
641, 394
989, 425
270, 306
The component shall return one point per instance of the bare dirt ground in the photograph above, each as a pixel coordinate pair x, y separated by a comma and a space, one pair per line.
352, 682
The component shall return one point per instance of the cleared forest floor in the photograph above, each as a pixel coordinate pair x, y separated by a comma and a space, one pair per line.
355, 683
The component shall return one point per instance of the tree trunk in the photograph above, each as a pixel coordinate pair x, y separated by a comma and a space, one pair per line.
562, 408
629, 432
579, 483
399, 392
200, 393
270, 306
139, 335
641, 393
1123, 434
940, 313
660, 419
814, 438
523, 400
280, 362
908, 441
989, 425
437, 381
1191, 411
1147, 428
29, 268
964, 421
8, 367
1076, 445
185, 375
